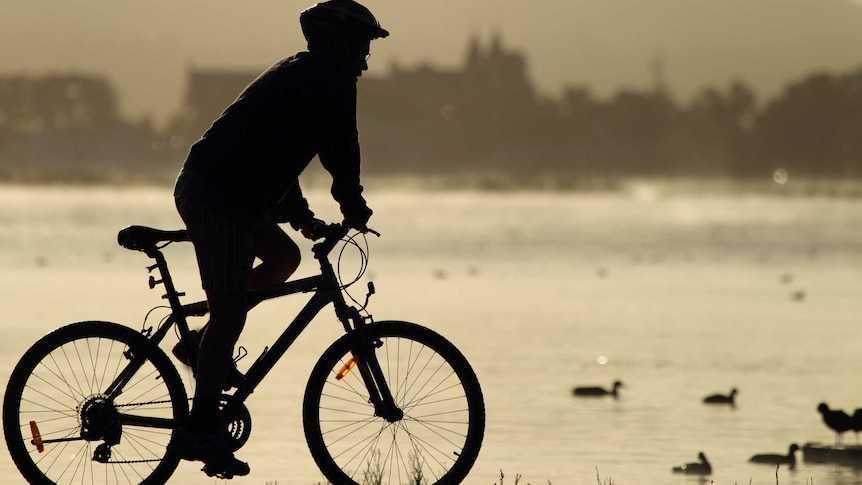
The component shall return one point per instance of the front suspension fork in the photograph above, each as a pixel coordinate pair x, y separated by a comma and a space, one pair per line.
364, 358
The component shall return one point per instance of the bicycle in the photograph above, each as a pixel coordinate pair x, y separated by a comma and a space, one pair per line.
387, 402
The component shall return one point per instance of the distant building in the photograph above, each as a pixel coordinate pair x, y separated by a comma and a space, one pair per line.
66, 127
422, 106
208, 93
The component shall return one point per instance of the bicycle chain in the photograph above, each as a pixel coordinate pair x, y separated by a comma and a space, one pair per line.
130, 462
147, 402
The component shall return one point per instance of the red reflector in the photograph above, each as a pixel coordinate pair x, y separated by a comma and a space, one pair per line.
346, 368
37, 437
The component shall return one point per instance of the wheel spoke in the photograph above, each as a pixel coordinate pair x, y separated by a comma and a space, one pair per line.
439, 436
60, 385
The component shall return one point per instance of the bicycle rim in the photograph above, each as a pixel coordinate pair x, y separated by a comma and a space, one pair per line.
436, 442
55, 401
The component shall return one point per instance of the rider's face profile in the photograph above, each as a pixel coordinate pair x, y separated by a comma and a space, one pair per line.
361, 52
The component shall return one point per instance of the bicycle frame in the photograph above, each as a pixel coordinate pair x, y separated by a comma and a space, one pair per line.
326, 290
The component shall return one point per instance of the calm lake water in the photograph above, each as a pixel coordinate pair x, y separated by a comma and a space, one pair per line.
677, 296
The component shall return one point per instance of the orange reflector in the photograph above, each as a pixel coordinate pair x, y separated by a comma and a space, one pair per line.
346, 368
37, 437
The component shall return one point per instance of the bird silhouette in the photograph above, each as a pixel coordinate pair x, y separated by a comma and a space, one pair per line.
856, 423
774, 459
836, 420
701, 467
721, 398
596, 391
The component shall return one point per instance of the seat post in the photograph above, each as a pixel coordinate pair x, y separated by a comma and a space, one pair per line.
171, 293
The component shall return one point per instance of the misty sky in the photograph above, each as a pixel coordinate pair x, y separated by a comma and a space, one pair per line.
144, 47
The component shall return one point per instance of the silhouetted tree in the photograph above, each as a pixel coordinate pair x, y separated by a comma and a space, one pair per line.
634, 130
712, 135
810, 129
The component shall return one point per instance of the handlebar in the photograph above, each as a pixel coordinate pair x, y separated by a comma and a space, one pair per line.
332, 234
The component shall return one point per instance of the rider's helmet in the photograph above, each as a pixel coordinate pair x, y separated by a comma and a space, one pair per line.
328, 23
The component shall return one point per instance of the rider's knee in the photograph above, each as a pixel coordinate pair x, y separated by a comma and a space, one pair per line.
280, 264
279, 257
282, 267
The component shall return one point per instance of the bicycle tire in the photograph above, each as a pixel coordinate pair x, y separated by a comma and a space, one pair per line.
59, 384
437, 441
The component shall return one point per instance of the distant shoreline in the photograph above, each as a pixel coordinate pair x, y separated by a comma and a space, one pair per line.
642, 187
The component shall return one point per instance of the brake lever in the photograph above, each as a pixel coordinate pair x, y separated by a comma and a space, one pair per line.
365, 230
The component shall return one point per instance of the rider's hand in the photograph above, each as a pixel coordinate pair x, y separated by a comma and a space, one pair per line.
357, 218
313, 229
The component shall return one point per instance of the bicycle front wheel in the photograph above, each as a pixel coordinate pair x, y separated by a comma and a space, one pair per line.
438, 439
65, 424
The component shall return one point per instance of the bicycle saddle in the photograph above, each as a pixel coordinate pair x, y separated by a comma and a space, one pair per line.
142, 238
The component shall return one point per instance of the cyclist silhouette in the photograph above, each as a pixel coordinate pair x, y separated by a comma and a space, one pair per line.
240, 180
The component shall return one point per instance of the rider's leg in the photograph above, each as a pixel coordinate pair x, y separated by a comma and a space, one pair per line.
279, 257
205, 438
227, 318
224, 248
278, 254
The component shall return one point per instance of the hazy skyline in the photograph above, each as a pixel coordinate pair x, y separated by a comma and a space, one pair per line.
144, 48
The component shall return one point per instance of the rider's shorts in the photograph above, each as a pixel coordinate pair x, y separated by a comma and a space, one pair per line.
224, 247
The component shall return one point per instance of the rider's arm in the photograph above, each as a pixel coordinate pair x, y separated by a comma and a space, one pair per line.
338, 149
293, 208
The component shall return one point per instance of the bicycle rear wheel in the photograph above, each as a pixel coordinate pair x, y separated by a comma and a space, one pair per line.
439, 437
60, 425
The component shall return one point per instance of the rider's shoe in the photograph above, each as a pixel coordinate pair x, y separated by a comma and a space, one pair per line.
234, 379
212, 448
226, 470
